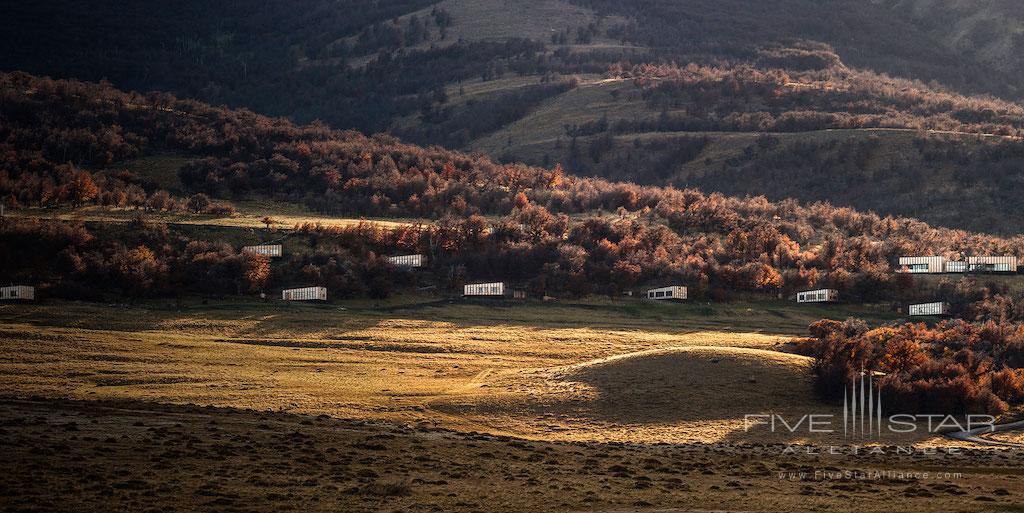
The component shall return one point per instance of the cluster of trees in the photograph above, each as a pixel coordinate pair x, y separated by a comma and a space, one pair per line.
359, 64
773, 99
717, 246
556, 254
948, 181
956, 367
390, 66
395, 34
883, 36
144, 260
565, 234
978, 300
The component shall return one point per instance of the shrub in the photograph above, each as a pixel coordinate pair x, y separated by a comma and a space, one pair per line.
954, 368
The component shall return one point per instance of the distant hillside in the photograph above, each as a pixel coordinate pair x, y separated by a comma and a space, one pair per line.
874, 105
353, 63
985, 31
800, 125
875, 35
72, 144
365, 64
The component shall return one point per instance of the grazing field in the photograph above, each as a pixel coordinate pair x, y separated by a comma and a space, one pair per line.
425, 404
139, 456
249, 215
592, 370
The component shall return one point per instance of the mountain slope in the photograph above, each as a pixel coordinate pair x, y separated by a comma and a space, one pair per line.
985, 31
70, 144
865, 34
867, 104
364, 64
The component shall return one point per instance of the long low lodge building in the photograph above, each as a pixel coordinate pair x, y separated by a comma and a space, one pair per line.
494, 289
928, 309
922, 264
269, 250
407, 260
305, 294
674, 292
818, 296
18, 293
939, 264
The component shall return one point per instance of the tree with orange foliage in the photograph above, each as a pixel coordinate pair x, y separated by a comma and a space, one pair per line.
521, 201
556, 177
256, 271
624, 274
902, 356
82, 188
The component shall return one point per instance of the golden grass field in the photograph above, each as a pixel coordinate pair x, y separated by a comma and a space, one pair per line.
249, 215
594, 370
591, 405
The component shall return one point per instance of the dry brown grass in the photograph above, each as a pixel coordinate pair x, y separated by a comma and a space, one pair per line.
563, 379
554, 372
250, 214
138, 456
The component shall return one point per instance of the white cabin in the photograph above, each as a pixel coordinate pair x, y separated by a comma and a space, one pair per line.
18, 293
269, 250
818, 296
955, 266
923, 309
496, 289
407, 260
305, 294
992, 264
667, 293
922, 264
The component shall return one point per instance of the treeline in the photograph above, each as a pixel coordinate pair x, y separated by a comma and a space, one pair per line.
977, 300
549, 254
104, 262
774, 99
359, 64
948, 181
618, 233
384, 66
278, 57
865, 34
956, 367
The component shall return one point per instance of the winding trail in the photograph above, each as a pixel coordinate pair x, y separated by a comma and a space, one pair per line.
975, 435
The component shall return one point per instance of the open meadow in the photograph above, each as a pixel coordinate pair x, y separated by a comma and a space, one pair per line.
415, 403
538, 370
